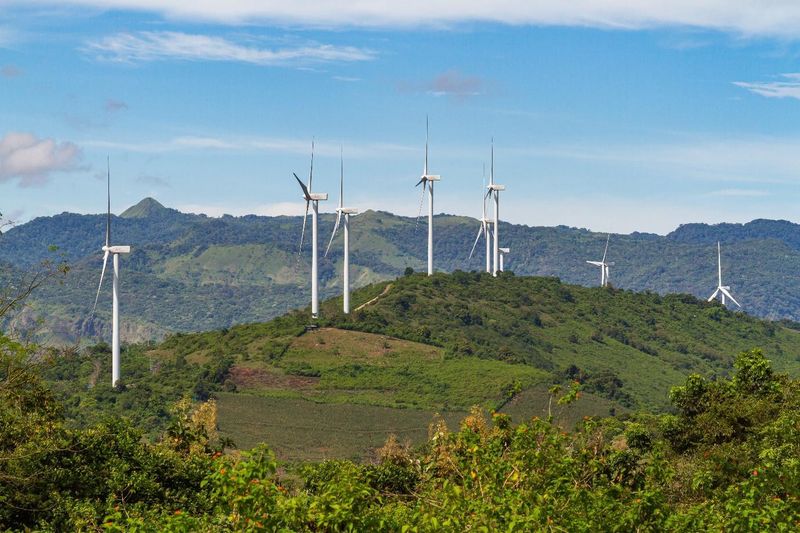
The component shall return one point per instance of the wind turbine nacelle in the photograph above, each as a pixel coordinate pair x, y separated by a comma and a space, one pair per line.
432, 177
117, 249
348, 210
495, 187
318, 196
504, 250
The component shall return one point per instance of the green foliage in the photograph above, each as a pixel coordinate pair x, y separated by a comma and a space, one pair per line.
656, 473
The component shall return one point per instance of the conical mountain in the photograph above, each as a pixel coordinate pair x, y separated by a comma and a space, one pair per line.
149, 207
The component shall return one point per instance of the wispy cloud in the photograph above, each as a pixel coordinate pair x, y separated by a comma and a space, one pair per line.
324, 148
739, 193
777, 18
788, 87
155, 181
168, 45
451, 83
31, 160
10, 71
454, 84
112, 106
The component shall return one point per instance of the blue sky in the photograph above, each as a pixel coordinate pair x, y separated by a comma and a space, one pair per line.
616, 116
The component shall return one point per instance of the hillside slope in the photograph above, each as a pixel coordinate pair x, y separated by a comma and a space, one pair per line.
193, 273
420, 346
628, 346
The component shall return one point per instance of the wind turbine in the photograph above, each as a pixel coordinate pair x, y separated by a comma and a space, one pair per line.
115, 251
312, 199
427, 181
346, 211
604, 266
494, 192
722, 290
503, 252
484, 230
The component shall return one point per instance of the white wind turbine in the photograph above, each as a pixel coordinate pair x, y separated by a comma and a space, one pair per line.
494, 192
115, 251
604, 265
427, 181
722, 290
503, 253
312, 199
484, 230
346, 211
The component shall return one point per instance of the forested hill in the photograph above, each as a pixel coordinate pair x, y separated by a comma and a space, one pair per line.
627, 346
192, 272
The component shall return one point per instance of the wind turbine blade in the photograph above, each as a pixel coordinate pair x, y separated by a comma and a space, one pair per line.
100, 286
341, 178
306, 194
335, 229
491, 168
606, 250
303, 233
421, 202
480, 232
483, 217
423, 179
426, 146
311, 172
713, 295
728, 294
108, 191
719, 263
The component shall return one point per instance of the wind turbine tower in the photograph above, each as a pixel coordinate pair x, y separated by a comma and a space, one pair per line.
312, 199
427, 181
722, 290
494, 191
346, 211
115, 251
484, 230
604, 265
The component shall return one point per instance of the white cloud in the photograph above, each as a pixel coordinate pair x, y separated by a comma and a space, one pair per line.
745, 17
754, 160
31, 160
739, 193
170, 45
788, 88
256, 144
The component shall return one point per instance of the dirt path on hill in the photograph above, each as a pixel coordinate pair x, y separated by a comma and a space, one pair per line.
378, 297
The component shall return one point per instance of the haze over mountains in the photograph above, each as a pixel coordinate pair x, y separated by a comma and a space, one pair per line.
192, 273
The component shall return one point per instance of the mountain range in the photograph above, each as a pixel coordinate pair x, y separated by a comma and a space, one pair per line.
192, 272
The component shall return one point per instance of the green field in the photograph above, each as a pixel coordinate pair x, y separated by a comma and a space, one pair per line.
298, 429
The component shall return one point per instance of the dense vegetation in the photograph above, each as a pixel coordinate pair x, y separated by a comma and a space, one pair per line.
185, 270
626, 346
727, 459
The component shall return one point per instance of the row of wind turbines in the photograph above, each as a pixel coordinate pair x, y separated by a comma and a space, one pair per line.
488, 230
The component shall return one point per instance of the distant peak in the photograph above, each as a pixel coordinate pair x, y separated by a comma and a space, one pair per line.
144, 209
